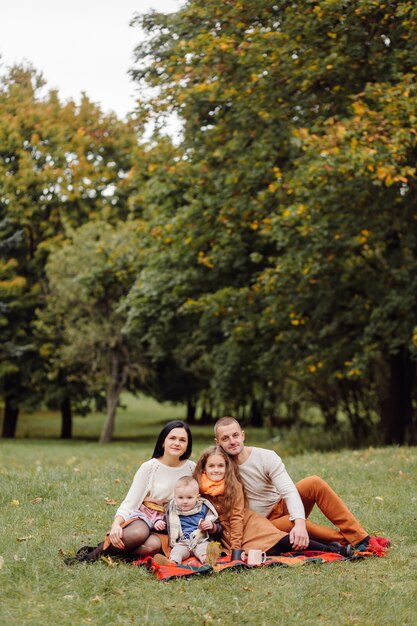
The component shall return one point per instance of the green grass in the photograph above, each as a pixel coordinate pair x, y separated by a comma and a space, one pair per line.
54, 498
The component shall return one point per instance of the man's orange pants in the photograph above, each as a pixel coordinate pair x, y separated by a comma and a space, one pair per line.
314, 490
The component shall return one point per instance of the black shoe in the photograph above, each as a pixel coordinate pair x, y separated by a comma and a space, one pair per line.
346, 551
81, 555
84, 551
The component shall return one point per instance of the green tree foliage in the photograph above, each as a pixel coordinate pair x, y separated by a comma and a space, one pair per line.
89, 277
291, 237
60, 166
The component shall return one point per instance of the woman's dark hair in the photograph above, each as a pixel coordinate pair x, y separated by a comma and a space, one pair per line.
159, 450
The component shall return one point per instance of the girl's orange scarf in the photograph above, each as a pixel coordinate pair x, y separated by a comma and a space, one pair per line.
211, 487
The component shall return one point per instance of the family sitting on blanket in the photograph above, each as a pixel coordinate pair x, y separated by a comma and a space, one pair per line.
227, 474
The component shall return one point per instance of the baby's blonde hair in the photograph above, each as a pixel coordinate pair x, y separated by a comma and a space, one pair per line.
184, 481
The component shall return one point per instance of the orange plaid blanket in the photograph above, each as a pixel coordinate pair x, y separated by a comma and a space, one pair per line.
192, 566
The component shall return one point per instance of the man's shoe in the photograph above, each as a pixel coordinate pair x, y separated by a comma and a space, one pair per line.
346, 551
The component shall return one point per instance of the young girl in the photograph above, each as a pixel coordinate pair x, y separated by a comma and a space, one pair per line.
220, 483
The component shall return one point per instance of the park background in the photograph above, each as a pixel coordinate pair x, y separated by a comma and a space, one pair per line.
261, 262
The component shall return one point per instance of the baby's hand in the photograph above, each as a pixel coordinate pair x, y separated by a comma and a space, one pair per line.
206, 525
160, 525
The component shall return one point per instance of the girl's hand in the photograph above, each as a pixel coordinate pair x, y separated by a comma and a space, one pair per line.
206, 525
116, 535
160, 524
299, 536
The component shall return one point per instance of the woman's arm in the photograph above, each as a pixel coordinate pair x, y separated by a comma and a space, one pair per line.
137, 491
116, 532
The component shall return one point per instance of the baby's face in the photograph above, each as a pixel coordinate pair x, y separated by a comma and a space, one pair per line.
186, 496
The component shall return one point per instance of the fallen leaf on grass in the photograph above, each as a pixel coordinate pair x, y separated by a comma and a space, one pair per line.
62, 552
37, 500
16, 557
110, 501
15, 503
108, 561
1, 562
247, 588
24, 538
380, 498
96, 599
119, 592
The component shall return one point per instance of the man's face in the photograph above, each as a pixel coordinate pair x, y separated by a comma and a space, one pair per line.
231, 438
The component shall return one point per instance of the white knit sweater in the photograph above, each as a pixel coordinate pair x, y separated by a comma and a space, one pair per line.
267, 481
155, 481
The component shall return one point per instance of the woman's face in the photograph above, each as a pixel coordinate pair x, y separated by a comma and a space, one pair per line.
175, 443
215, 467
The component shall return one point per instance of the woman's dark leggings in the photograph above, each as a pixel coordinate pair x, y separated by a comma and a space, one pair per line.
284, 545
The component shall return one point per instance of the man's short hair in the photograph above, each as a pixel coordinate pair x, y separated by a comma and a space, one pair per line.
184, 481
225, 421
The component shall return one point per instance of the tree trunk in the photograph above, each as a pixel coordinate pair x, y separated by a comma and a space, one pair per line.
11, 413
108, 426
205, 415
66, 424
256, 414
191, 411
117, 382
396, 406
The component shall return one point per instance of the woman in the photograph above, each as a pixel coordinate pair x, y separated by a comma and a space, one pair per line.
153, 485
220, 483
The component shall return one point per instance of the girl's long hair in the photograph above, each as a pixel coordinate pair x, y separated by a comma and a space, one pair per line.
159, 446
233, 483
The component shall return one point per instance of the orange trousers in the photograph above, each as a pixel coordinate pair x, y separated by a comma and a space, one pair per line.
314, 490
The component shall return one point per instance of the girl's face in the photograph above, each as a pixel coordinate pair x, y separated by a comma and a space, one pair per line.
215, 467
175, 443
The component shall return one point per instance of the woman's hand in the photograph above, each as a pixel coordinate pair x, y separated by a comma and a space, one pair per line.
299, 536
116, 535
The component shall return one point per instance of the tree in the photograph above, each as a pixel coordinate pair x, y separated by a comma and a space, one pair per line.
280, 104
60, 166
89, 278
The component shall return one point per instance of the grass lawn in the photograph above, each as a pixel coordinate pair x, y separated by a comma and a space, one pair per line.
57, 496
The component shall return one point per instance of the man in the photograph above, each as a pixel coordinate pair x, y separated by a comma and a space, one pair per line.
272, 493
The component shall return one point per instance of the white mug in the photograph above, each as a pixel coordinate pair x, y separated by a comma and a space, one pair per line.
256, 557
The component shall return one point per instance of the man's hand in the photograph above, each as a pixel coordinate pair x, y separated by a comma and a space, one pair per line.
299, 536
160, 524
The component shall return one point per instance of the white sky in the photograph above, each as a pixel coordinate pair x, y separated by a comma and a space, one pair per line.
78, 45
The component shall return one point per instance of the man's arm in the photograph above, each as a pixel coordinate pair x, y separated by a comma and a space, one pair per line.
286, 488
